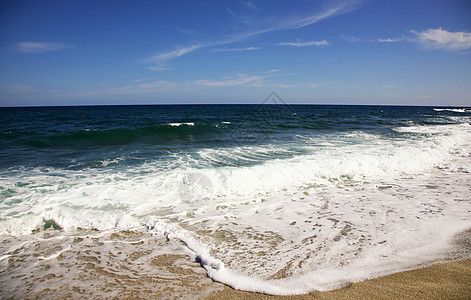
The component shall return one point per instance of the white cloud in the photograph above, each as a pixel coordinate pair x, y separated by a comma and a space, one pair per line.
305, 44
235, 49
241, 79
388, 86
443, 39
41, 47
250, 4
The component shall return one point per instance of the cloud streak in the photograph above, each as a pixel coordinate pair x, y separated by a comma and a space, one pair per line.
175, 53
340, 8
305, 44
41, 47
235, 49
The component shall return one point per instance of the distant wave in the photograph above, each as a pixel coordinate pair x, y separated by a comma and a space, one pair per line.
161, 133
458, 110
180, 124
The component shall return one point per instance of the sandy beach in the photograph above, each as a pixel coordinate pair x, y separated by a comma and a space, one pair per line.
450, 280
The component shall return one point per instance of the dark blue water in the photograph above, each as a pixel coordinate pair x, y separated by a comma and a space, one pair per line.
77, 137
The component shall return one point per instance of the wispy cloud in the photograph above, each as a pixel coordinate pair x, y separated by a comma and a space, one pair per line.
356, 39
142, 88
262, 79
158, 85
389, 40
339, 8
276, 24
240, 79
250, 4
332, 84
283, 85
435, 39
155, 68
235, 49
351, 38
41, 47
175, 53
388, 86
319, 84
13, 88
443, 39
305, 44
187, 31
240, 18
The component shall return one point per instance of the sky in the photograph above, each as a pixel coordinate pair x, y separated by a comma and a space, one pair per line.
101, 52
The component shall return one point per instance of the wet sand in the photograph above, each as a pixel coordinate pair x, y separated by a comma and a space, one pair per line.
138, 265
450, 280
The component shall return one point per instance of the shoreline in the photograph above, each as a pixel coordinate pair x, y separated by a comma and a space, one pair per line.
445, 280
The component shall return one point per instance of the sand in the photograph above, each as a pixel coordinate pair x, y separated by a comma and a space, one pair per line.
450, 280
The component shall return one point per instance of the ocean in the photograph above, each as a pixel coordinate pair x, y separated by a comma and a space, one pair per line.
281, 199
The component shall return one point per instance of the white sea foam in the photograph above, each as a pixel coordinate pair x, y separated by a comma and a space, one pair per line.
180, 124
459, 110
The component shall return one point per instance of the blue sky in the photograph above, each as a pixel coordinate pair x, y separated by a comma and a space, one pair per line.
164, 52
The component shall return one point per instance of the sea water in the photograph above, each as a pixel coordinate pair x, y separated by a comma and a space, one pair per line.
280, 199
